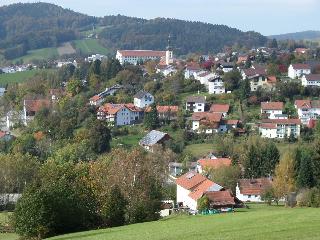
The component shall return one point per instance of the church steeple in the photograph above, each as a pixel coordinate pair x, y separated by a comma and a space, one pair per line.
169, 53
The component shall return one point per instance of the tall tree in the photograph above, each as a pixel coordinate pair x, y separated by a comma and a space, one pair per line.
100, 137
151, 119
305, 178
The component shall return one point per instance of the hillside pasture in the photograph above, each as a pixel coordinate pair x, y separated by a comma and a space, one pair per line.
18, 77
90, 46
260, 222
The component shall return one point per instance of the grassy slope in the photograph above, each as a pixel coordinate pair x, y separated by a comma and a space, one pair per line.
6, 236
200, 150
90, 46
258, 223
39, 54
18, 77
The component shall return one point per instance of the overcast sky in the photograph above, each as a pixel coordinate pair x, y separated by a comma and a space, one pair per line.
264, 16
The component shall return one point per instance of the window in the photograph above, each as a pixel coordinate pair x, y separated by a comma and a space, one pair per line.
249, 196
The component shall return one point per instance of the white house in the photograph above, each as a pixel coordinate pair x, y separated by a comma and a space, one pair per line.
204, 76
310, 80
166, 70
298, 70
271, 110
280, 128
119, 114
250, 190
95, 57
191, 186
143, 99
195, 103
216, 85
226, 66
208, 122
136, 56
307, 110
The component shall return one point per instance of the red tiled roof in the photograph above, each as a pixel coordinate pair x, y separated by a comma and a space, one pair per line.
95, 98
283, 121
220, 108
272, 79
190, 180
254, 186
132, 107
300, 66
36, 105
303, 104
207, 116
110, 108
232, 122
214, 163
142, 53
201, 189
164, 109
268, 125
220, 198
193, 66
272, 105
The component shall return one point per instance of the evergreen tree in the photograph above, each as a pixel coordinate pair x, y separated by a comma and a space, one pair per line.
305, 177
100, 137
151, 119
271, 157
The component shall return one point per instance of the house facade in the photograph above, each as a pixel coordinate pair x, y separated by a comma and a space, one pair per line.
143, 99
271, 110
310, 80
119, 114
298, 70
216, 85
257, 78
250, 190
307, 110
195, 103
208, 122
280, 128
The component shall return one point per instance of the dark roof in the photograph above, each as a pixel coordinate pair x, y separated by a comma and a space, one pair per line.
313, 77
153, 138
254, 186
220, 198
141, 94
196, 99
301, 66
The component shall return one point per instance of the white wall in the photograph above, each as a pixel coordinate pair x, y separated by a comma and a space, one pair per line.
247, 198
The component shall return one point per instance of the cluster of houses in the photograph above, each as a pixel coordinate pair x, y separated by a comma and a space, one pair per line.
194, 185
16, 68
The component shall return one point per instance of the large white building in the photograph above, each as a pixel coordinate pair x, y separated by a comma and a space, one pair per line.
272, 110
137, 56
310, 80
280, 128
307, 110
298, 70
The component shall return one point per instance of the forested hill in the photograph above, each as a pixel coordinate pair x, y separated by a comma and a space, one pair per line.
38, 25
186, 36
306, 35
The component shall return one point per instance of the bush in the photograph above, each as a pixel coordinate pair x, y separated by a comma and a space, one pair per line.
309, 198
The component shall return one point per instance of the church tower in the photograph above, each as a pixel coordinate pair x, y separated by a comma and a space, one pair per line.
169, 53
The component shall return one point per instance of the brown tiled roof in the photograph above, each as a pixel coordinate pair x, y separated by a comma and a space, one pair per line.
283, 121
303, 104
220, 108
268, 125
206, 116
254, 186
201, 189
272, 79
220, 198
251, 72
196, 99
272, 105
232, 122
36, 105
214, 163
301, 66
95, 98
193, 66
190, 180
313, 77
164, 109
132, 107
142, 53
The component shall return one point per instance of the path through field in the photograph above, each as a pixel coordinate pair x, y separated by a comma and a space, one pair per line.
66, 48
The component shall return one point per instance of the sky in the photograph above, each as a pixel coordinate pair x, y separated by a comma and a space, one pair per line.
265, 16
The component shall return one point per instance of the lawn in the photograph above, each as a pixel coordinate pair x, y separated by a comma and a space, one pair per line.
258, 223
199, 150
90, 46
39, 54
18, 76
3, 220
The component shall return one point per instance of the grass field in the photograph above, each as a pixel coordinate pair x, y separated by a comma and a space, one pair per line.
6, 236
90, 46
199, 150
258, 223
39, 54
18, 76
